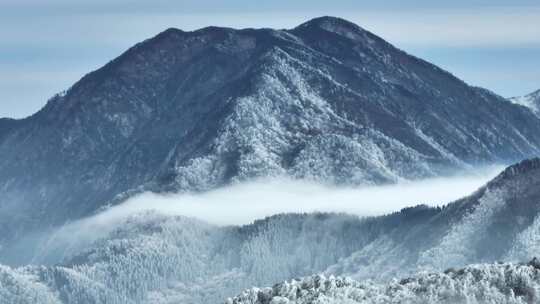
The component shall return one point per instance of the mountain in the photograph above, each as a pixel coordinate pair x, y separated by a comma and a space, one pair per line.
491, 283
531, 101
191, 111
153, 258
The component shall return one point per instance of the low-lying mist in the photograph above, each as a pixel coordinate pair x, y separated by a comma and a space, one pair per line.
243, 203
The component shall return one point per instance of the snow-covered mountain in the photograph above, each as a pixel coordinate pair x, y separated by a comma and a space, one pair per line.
484, 283
153, 258
531, 101
183, 111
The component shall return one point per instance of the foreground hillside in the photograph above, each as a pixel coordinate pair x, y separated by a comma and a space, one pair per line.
483, 283
154, 258
191, 111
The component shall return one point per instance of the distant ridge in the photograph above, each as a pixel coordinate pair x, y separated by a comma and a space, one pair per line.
531, 101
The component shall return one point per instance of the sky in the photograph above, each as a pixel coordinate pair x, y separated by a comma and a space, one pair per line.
46, 46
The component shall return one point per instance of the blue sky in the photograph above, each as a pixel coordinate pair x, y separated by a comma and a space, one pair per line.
46, 46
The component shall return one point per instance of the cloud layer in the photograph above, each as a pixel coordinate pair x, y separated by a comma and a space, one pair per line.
243, 203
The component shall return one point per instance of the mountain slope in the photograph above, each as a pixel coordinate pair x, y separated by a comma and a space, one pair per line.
153, 258
195, 110
493, 224
531, 101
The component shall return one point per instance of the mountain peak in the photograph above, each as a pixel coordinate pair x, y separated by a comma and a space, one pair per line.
333, 24
171, 31
327, 19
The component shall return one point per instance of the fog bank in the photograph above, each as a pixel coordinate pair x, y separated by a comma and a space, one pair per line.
242, 203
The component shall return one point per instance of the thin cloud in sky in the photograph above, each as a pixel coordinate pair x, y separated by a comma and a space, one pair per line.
506, 27
510, 26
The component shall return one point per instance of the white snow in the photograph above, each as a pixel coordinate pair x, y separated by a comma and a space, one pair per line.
503, 283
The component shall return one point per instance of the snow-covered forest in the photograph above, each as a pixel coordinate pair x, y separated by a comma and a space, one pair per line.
155, 258
483, 283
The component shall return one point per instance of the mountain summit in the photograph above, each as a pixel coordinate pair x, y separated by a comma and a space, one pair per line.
185, 111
